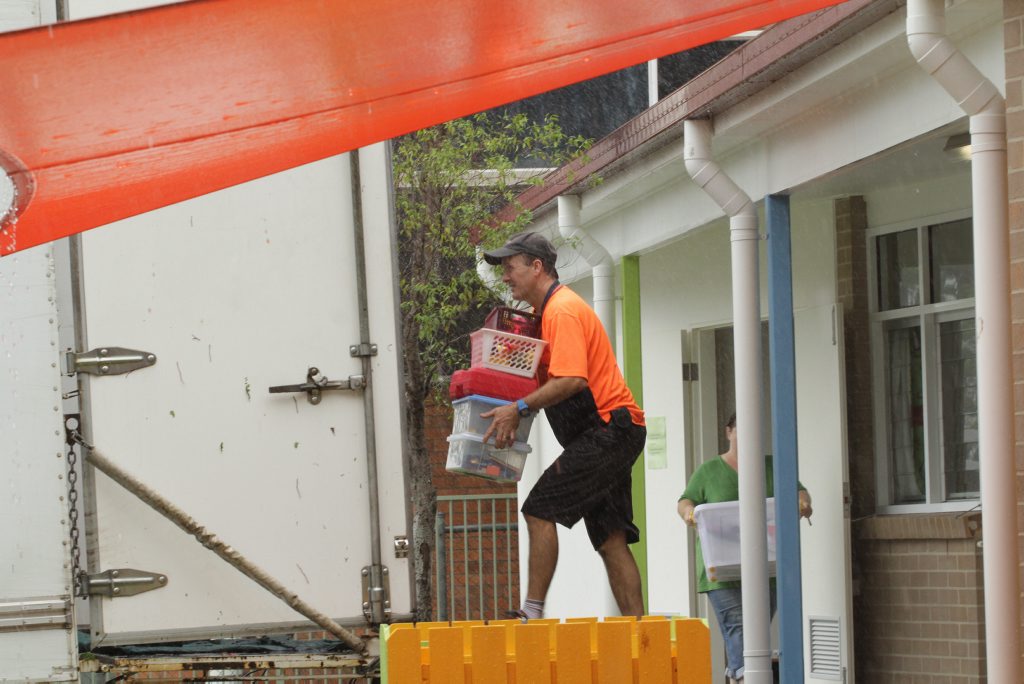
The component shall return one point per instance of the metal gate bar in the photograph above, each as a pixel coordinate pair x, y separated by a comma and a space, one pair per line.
448, 546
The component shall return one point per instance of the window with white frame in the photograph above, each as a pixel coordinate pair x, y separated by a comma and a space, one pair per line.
924, 359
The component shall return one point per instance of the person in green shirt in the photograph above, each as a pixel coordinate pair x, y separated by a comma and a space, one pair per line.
715, 481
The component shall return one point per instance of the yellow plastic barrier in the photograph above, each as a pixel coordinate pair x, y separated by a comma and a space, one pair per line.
652, 650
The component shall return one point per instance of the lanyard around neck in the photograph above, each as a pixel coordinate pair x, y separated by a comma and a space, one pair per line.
551, 290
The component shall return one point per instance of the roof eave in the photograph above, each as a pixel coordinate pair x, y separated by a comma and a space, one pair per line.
752, 67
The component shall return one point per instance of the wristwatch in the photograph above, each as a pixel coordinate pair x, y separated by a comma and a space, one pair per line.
524, 410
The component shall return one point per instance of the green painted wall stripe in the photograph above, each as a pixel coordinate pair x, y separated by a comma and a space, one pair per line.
632, 361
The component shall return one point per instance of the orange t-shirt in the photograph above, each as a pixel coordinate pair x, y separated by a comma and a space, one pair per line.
578, 347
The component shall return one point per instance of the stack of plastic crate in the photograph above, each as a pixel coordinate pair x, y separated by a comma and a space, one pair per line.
504, 357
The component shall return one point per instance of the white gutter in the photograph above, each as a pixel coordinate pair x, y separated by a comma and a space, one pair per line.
980, 99
596, 256
746, 301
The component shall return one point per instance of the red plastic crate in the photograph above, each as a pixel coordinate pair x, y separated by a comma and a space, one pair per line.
490, 383
511, 320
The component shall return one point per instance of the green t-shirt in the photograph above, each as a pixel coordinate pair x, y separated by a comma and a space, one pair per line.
715, 481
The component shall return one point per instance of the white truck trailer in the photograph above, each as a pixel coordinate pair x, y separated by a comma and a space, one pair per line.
235, 361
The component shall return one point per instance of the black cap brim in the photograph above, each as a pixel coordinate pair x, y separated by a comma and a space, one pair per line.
495, 256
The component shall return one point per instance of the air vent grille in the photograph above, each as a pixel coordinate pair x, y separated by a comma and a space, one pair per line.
826, 648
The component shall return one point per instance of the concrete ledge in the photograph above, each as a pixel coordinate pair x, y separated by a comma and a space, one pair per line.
920, 526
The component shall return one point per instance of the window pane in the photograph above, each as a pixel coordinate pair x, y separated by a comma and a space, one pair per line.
951, 254
906, 415
898, 270
959, 409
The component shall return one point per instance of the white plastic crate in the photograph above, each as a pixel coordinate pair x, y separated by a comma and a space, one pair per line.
718, 525
468, 454
505, 351
467, 416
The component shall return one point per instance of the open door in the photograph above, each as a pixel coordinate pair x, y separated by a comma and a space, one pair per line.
825, 545
715, 390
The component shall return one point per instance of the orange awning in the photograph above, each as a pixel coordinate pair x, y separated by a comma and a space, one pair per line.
111, 117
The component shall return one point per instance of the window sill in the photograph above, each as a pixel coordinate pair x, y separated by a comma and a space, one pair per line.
952, 525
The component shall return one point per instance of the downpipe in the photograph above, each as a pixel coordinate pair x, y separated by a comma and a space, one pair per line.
936, 53
596, 256
746, 301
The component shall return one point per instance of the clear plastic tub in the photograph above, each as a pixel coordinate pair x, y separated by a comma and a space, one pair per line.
505, 352
718, 525
468, 454
468, 420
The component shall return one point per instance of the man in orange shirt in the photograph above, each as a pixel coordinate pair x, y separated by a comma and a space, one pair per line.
594, 418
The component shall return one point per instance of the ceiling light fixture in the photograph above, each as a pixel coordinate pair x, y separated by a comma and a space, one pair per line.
958, 146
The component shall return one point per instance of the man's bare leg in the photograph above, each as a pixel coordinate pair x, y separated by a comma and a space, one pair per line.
543, 556
623, 573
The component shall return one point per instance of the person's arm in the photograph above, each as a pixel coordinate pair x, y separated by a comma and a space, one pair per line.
685, 508
505, 419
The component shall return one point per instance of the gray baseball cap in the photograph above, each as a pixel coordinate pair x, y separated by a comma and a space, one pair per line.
530, 243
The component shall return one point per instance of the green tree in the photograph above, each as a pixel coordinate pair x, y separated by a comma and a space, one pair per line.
450, 180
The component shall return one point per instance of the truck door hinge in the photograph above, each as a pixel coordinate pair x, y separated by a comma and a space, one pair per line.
124, 582
690, 373
108, 361
401, 546
376, 594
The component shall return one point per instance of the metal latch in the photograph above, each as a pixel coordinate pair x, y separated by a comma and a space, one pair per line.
401, 546
124, 582
316, 384
108, 361
376, 593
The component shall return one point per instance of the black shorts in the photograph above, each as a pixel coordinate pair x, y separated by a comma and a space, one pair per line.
591, 479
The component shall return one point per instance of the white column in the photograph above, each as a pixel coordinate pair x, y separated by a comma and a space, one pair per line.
746, 304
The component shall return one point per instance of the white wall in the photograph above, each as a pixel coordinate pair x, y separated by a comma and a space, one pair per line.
687, 285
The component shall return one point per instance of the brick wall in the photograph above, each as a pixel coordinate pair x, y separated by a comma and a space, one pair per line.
483, 566
852, 289
923, 576
1013, 14
918, 602
851, 284
438, 423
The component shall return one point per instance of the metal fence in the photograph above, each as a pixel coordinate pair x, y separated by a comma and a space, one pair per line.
476, 556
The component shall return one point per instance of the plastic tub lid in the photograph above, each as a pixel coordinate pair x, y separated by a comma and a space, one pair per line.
469, 436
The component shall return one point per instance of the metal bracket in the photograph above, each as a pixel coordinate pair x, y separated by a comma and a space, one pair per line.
108, 361
401, 546
376, 594
45, 613
124, 582
364, 349
316, 384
